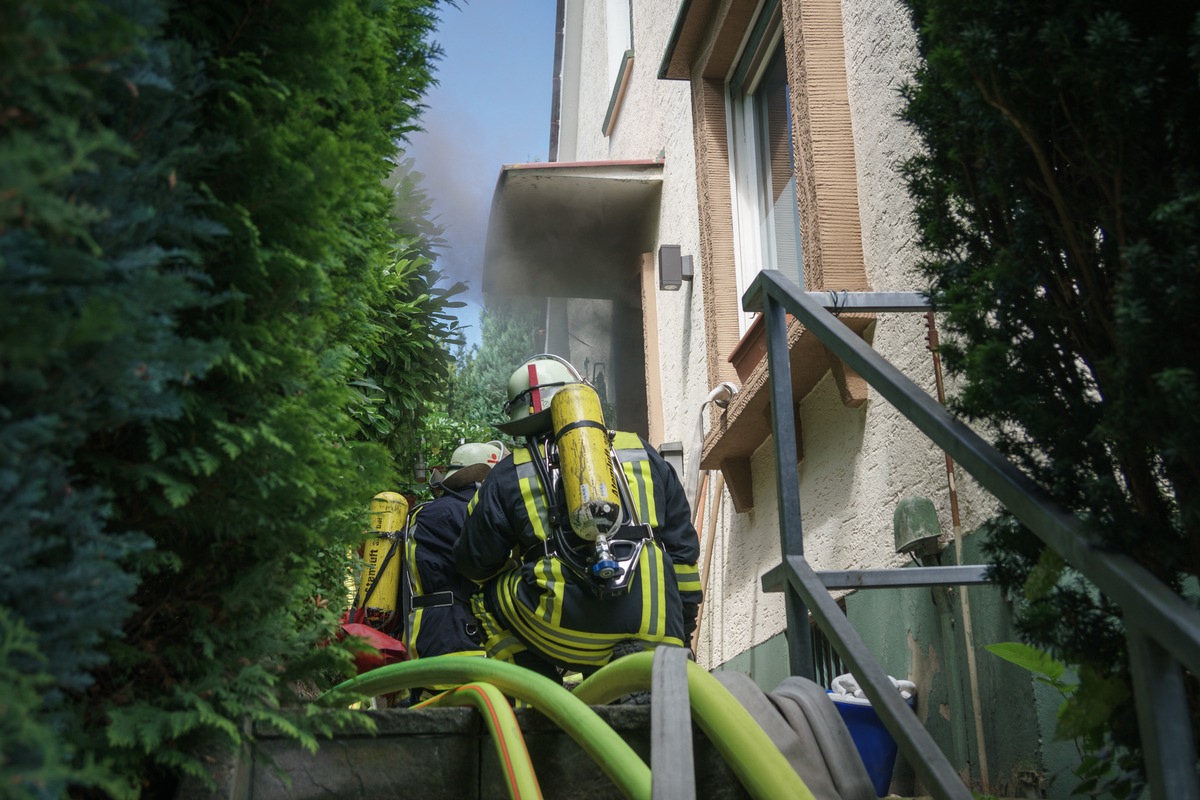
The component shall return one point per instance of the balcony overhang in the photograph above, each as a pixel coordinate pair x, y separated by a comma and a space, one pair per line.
571, 229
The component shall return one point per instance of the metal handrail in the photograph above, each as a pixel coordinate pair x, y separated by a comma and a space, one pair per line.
1163, 631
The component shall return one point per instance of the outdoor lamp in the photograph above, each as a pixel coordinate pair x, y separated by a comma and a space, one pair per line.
673, 267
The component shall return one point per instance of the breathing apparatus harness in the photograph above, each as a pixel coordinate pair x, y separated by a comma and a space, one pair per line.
595, 533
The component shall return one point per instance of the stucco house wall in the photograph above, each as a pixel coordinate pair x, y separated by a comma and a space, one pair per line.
653, 123
857, 461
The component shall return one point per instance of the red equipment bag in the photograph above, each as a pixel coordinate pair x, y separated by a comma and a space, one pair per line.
381, 651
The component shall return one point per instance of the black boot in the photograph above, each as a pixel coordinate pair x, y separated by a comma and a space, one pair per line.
622, 648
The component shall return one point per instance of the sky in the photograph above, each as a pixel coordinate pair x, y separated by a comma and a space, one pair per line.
491, 107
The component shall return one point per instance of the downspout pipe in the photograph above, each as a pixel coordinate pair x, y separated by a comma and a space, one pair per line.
721, 394
560, 16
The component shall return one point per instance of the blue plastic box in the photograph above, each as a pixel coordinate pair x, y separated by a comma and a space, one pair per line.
875, 745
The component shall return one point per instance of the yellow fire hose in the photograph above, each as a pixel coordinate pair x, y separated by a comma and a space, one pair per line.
506, 734
604, 745
754, 758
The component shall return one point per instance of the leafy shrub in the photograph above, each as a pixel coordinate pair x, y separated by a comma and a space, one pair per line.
196, 257
1058, 201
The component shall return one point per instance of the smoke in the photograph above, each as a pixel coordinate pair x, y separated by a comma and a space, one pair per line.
459, 175
451, 180
490, 107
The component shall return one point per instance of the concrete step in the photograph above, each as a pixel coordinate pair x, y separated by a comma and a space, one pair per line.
447, 753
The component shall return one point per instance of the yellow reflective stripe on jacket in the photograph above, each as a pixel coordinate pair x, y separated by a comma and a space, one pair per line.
531, 493
498, 642
417, 615
410, 554
562, 644
413, 628
575, 646
636, 465
688, 577
654, 586
549, 572
634, 462
559, 643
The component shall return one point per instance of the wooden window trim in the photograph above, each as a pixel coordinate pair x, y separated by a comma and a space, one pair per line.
709, 41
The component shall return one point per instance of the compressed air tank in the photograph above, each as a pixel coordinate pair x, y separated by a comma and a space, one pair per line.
585, 467
379, 584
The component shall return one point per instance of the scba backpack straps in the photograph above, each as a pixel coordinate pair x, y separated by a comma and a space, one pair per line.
539, 480
380, 578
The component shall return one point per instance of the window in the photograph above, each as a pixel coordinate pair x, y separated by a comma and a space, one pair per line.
766, 221
619, 22
729, 54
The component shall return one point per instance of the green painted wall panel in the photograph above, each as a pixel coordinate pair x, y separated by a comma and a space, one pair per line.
917, 634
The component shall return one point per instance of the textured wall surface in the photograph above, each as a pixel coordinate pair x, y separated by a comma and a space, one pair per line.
654, 121
857, 462
847, 64
448, 753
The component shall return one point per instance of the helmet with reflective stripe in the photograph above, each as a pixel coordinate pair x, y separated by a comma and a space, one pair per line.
471, 462
529, 391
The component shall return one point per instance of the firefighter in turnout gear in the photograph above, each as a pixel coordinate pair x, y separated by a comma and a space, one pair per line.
579, 553
440, 621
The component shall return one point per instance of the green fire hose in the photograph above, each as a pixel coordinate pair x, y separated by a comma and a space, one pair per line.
597, 739
747, 749
754, 758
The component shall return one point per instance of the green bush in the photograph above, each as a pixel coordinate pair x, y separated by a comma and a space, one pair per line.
197, 262
1058, 200
509, 327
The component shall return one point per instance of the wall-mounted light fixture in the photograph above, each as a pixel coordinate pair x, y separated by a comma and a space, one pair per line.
673, 267
916, 528
672, 452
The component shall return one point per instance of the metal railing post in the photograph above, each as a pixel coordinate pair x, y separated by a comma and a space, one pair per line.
918, 746
1160, 695
791, 532
1163, 630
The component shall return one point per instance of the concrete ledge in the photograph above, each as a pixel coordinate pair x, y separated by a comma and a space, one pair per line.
430, 754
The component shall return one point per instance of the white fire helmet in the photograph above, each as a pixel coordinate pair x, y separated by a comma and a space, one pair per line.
471, 462
530, 389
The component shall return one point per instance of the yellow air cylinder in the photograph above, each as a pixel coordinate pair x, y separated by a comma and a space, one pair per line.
387, 513
593, 506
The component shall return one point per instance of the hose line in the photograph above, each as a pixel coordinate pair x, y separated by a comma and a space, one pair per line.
721, 394
754, 758
749, 751
506, 734
604, 745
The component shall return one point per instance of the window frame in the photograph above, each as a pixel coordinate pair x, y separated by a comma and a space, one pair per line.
753, 213
618, 16
619, 26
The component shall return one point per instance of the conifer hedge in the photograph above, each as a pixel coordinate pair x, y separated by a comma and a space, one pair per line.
198, 277
1058, 204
